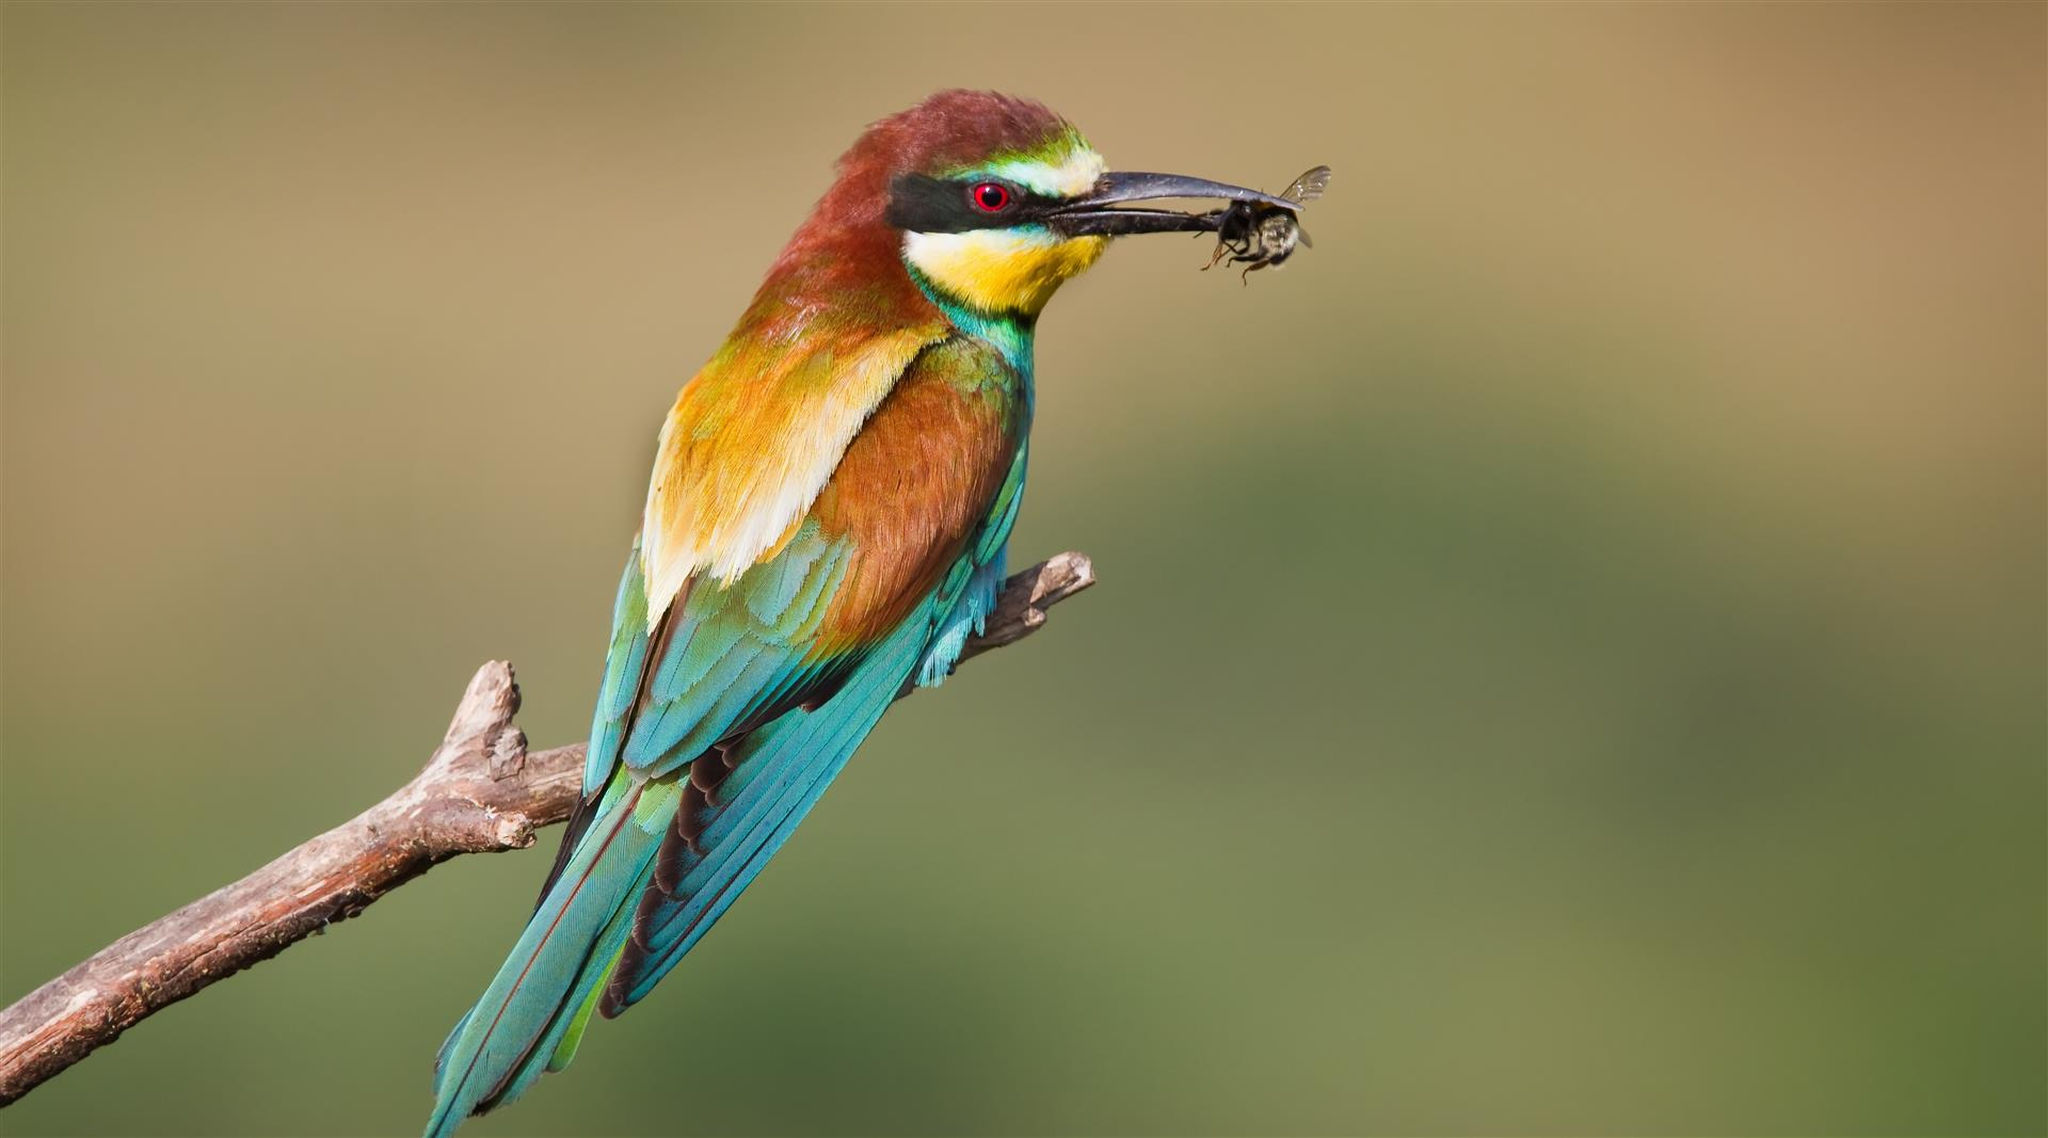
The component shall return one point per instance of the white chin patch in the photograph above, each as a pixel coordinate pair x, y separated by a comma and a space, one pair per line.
939, 255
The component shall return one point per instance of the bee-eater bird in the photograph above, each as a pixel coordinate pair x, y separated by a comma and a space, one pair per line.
825, 525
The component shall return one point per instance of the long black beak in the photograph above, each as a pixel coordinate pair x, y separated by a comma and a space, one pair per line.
1097, 215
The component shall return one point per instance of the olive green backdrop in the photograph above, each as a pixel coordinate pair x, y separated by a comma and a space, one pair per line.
1570, 650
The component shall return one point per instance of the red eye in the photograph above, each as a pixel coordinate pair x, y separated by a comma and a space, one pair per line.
990, 197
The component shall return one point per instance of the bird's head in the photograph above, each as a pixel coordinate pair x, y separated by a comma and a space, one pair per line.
994, 201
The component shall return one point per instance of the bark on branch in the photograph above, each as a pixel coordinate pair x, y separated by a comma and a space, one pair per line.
481, 792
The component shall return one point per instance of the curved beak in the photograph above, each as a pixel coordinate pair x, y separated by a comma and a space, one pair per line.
1098, 215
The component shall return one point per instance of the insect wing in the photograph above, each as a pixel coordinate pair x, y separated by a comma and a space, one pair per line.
1309, 186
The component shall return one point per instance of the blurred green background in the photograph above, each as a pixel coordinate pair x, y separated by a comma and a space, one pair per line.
1570, 650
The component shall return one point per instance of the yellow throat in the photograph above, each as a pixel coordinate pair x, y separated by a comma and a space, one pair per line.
1001, 270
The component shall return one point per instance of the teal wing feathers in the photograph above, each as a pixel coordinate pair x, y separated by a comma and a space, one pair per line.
725, 659
724, 655
983, 567
734, 659
744, 802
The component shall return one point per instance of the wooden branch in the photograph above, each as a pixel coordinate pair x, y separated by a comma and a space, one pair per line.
481, 792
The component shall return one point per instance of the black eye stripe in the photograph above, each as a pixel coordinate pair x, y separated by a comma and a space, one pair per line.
925, 204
